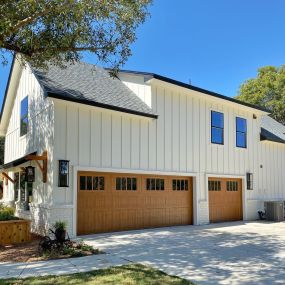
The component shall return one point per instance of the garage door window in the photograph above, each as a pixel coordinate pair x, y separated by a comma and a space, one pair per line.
232, 186
214, 185
155, 184
180, 185
92, 183
126, 183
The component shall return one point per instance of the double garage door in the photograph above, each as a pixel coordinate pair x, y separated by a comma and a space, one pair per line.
114, 202
225, 199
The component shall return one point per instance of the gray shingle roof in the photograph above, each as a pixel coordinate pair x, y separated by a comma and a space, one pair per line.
89, 84
271, 130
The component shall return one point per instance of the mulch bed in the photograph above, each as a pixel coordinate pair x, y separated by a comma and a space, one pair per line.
28, 252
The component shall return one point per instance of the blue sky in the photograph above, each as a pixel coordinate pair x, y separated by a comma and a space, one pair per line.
217, 44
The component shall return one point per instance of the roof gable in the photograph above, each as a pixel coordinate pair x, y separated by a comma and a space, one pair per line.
10, 94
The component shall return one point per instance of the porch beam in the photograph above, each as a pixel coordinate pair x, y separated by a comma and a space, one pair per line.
43, 167
8, 177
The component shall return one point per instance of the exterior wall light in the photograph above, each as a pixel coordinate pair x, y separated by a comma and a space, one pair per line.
30, 174
63, 173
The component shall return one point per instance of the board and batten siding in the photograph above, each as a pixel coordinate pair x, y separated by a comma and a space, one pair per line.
38, 138
179, 141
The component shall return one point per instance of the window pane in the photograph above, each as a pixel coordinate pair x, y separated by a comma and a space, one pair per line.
134, 184
148, 184
240, 124
95, 183
24, 107
129, 184
24, 126
118, 183
82, 182
178, 185
162, 184
101, 183
89, 182
217, 119
241, 139
124, 183
24, 116
217, 136
186, 185
152, 187
182, 184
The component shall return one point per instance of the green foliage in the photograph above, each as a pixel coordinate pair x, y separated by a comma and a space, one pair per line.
266, 90
57, 31
60, 225
7, 213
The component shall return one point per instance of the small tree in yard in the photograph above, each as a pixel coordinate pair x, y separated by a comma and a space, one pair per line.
58, 31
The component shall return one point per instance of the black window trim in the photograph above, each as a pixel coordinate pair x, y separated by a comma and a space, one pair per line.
222, 143
245, 133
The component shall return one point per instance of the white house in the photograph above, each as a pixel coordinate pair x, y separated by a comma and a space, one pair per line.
136, 151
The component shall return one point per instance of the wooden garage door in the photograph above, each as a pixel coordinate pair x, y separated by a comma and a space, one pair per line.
225, 199
115, 202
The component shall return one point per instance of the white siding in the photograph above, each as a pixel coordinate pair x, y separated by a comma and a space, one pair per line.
179, 141
38, 139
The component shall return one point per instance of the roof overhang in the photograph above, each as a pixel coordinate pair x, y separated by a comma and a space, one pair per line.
10, 94
100, 105
266, 135
161, 79
16, 162
153, 77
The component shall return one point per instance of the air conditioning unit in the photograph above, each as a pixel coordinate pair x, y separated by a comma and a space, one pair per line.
274, 210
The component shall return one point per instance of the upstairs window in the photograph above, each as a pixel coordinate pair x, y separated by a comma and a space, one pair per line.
241, 132
24, 117
217, 127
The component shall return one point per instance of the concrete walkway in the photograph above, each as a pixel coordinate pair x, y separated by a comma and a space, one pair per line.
60, 266
229, 253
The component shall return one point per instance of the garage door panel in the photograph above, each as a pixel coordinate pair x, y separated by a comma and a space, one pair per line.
225, 199
128, 201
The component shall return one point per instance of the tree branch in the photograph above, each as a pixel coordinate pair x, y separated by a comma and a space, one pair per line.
32, 51
36, 16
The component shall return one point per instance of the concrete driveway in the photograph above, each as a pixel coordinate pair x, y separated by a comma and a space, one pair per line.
227, 253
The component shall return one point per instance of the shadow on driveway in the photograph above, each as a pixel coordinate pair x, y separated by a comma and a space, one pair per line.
226, 253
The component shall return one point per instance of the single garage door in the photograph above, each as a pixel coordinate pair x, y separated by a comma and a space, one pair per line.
225, 199
109, 202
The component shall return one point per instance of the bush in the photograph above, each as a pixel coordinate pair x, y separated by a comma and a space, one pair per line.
60, 225
7, 213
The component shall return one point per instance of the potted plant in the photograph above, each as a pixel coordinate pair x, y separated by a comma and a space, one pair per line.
60, 231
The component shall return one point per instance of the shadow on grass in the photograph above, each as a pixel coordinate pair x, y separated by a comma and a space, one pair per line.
133, 274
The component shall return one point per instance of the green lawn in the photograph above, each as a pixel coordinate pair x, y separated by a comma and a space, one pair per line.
134, 274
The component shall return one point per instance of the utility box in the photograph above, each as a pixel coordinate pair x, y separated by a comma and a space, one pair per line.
274, 210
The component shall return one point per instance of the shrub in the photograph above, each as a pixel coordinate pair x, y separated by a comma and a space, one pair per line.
7, 213
60, 225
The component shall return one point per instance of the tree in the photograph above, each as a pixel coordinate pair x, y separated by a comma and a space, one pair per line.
266, 90
58, 31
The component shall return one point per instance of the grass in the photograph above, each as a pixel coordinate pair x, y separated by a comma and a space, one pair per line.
133, 274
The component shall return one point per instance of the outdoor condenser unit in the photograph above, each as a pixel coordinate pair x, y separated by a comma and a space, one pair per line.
274, 210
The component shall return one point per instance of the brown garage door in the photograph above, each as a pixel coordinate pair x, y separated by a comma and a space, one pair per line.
225, 199
115, 202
